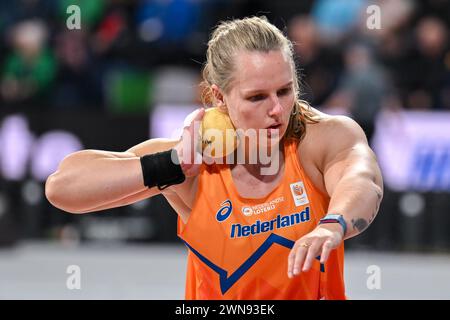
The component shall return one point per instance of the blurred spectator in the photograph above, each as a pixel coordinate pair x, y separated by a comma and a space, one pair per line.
336, 18
393, 16
109, 31
29, 69
364, 87
167, 21
19, 10
427, 78
78, 84
436, 8
112, 37
144, 35
170, 28
320, 66
12, 12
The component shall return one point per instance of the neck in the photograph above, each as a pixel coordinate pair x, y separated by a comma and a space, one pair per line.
260, 162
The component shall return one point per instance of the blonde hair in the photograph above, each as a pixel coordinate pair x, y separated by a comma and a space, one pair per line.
251, 34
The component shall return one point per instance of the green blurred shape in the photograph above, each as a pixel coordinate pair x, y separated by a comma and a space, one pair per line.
129, 92
91, 10
38, 73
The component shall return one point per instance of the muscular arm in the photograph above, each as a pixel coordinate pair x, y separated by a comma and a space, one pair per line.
353, 181
93, 180
351, 175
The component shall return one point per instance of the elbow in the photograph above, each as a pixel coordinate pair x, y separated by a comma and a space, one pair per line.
51, 191
56, 194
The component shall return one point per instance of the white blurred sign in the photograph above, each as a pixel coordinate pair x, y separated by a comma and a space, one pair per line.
21, 150
166, 121
413, 150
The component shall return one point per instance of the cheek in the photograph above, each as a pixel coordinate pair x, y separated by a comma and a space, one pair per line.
244, 120
242, 116
288, 105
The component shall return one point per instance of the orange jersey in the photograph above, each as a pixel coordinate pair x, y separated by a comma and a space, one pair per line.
239, 247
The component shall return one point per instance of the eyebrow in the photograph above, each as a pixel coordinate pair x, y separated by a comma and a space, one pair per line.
247, 92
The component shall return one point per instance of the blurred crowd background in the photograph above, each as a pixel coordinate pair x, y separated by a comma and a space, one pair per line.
137, 46
133, 70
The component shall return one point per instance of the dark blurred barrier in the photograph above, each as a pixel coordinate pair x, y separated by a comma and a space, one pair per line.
9, 225
405, 222
149, 220
408, 221
32, 144
439, 227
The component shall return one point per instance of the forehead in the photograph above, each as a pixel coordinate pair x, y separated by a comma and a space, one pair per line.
261, 70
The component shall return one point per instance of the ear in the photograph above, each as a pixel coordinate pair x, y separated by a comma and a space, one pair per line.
219, 100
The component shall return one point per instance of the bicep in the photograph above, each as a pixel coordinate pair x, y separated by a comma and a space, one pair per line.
349, 155
357, 162
139, 150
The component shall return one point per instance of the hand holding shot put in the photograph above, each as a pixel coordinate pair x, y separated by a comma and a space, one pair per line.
207, 136
188, 149
250, 233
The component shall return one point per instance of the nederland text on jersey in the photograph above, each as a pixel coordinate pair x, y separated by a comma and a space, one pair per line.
238, 230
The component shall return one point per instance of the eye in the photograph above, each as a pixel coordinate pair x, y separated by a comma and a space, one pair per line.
284, 91
256, 98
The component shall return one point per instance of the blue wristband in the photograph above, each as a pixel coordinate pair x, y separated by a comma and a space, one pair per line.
335, 218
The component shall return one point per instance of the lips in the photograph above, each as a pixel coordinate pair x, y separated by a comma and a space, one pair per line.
274, 129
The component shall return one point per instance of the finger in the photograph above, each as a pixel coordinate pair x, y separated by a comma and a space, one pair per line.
312, 254
299, 258
187, 145
326, 249
291, 258
195, 115
195, 122
196, 134
190, 135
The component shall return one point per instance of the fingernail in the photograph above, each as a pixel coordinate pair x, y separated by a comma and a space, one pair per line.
296, 271
290, 274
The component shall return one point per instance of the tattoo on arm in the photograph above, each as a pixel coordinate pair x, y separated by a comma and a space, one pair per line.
359, 224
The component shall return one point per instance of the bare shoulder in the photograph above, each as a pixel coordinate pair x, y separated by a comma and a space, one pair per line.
334, 126
331, 136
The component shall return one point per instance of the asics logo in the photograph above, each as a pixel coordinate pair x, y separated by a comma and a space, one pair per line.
225, 210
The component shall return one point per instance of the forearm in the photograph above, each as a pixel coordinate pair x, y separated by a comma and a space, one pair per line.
91, 178
357, 197
94, 179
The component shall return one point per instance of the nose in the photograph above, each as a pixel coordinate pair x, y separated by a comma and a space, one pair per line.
276, 108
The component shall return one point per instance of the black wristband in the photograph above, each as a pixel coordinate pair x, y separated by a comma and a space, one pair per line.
159, 170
